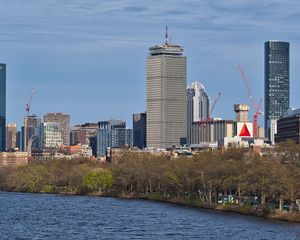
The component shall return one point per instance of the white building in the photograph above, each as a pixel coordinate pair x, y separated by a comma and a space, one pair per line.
198, 106
52, 136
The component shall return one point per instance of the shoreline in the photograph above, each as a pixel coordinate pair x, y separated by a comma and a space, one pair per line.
278, 215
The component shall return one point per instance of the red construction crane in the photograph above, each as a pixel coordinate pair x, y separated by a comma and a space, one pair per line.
208, 118
256, 109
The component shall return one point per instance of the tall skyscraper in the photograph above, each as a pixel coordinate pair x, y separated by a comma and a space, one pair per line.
139, 130
166, 96
277, 84
11, 135
64, 121
198, 105
2, 106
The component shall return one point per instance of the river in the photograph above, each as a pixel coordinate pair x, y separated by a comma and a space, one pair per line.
42, 216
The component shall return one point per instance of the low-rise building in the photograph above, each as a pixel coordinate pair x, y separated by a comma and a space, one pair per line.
288, 127
13, 159
211, 131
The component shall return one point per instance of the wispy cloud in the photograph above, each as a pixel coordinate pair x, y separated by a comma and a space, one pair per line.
216, 34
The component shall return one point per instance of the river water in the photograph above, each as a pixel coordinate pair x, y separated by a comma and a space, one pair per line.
41, 216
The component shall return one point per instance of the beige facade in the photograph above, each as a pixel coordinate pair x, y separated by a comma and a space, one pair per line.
11, 135
13, 159
214, 130
64, 121
241, 111
166, 96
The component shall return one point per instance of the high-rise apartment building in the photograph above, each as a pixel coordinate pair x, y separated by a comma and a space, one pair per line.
139, 130
11, 135
166, 96
64, 121
277, 84
198, 105
2, 106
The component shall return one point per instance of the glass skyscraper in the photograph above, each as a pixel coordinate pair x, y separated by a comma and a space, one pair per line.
2, 106
277, 84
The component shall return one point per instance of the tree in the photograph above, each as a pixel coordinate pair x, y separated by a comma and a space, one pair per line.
98, 180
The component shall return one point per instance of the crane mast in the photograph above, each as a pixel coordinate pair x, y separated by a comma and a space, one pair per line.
27, 111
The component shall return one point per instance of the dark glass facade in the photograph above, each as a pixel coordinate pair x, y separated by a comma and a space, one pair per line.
139, 130
277, 82
2, 106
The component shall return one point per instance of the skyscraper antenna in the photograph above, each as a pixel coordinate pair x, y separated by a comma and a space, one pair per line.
167, 42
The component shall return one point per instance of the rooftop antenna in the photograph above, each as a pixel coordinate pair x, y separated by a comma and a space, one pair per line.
167, 42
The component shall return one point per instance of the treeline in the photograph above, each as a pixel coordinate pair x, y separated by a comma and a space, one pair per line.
207, 176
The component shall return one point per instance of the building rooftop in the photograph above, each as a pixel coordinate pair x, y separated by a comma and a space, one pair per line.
167, 48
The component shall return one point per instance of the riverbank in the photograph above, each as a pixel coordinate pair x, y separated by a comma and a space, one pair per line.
293, 217
276, 214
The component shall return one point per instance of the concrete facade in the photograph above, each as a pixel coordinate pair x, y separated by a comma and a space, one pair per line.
11, 135
64, 121
166, 96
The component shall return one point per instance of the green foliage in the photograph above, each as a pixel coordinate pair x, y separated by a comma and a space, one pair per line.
98, 179
203, 179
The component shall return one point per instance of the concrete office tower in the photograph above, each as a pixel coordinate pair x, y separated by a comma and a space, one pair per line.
32, 132
277, 84
64, 121
51, 133
166, 96
11, 135
241, 112
139, 130
198, 105
2, 106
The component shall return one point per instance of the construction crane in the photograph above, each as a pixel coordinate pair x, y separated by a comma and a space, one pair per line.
27, 110
256, 109
28, 105
204, 123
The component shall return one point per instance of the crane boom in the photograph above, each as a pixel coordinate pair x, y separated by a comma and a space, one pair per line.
204, 123
28, 105
256, 108
247, 86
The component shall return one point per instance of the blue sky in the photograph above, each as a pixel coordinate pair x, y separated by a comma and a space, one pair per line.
88, 57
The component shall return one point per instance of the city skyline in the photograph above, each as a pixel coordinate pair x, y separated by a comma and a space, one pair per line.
76, 56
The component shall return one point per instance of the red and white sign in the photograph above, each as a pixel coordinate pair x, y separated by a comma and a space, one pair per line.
245, 129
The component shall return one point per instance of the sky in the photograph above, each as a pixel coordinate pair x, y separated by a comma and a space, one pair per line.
87, 58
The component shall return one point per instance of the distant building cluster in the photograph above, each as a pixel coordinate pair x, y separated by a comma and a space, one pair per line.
177, 115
